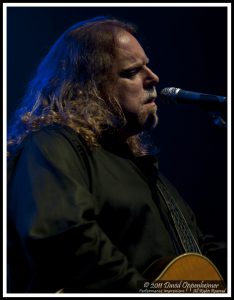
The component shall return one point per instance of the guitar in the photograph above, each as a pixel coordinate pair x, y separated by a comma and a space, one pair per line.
192, 267
186, 267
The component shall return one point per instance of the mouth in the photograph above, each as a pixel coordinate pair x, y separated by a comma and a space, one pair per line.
150, 100
151, 96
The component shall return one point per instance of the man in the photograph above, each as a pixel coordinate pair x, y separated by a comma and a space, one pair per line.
88, 210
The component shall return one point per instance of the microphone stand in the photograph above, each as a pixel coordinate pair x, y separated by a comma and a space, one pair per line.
217, 113
217, 119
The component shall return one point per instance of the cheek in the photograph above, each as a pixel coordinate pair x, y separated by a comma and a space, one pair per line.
129, 101
129, 95
132, 87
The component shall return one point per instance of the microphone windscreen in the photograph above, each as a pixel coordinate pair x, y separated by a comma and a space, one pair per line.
167, 94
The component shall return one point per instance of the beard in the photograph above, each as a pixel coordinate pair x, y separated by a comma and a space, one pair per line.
148, 116
146, 119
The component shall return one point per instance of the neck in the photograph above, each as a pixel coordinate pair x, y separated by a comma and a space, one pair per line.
126, 133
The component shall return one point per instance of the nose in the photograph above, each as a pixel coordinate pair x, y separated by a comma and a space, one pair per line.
151, 77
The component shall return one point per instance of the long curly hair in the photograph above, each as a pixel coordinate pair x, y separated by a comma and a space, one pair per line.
72, 86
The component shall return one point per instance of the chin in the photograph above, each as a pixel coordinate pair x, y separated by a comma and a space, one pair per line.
150, 122
141, 122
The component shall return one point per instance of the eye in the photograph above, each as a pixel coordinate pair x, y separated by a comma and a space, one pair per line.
129, 73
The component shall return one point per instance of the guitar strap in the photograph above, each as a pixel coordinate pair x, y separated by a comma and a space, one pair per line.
186, 236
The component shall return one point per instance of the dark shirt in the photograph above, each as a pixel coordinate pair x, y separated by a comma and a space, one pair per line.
87, 220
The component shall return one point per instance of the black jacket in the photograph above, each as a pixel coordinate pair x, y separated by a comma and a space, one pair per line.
87, 221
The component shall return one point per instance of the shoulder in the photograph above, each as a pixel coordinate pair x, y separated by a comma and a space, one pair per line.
56, 144
55, 133
56, 137
52, 149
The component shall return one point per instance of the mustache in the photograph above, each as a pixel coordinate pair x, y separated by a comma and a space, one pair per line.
151, 93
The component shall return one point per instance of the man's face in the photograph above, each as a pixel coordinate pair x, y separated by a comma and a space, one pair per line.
134, 86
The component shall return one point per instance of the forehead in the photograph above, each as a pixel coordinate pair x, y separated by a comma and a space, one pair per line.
128, 49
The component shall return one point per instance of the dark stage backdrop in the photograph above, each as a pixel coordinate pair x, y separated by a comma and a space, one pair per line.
188, 49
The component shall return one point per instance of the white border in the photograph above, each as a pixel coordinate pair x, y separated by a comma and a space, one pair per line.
4, 76
229, 132
117, 4
5, 5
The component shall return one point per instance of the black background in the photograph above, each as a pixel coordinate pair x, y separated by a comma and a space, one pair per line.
187, 47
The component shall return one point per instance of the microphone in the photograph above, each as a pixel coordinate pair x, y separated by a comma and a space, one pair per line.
172, 95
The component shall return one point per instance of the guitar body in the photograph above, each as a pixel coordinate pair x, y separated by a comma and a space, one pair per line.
188, 266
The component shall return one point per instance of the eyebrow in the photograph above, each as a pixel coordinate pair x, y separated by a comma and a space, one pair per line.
137, 63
